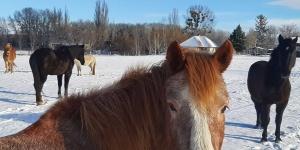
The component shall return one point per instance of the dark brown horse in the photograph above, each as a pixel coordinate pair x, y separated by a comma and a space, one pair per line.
45, 61
268, 83
176, 104
9, 56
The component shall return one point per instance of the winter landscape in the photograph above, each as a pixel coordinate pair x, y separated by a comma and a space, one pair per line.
18, 108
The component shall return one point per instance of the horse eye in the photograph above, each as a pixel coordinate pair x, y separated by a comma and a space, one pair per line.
224, 108
172, 107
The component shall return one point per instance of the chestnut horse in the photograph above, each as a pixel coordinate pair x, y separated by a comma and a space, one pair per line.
268, 83
90, 61
45, 61
176, 104
9, 56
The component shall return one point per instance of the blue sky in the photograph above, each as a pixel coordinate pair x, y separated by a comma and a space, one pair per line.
229, 13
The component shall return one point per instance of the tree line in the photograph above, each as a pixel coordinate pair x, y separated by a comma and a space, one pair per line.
29, 29
264, 35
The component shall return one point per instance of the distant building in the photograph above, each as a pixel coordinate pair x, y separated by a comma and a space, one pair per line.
199, 43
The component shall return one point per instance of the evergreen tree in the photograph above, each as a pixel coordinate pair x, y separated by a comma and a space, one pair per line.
238, 39
260, 27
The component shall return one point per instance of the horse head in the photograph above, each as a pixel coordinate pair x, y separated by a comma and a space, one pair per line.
286, 54
197, 96
7, 49
80, 57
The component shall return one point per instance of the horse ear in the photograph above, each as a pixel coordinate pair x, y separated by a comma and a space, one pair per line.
175, 57
295, 40
280, 39
224, 55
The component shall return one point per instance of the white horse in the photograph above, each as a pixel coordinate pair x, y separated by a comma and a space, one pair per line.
89, 61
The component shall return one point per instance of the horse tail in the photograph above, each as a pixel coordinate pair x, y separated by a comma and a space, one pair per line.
35, 69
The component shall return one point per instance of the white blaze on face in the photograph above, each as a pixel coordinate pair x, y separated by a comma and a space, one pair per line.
200, 133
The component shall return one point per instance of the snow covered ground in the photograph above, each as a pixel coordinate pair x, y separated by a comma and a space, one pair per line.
18, 109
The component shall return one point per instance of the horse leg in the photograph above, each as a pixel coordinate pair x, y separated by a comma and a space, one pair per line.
38, 86
93, 70
59, 79
80, 70
67, 79
279, 112
11, 67
38, 89
258, 114
265, 119
91, 67
6, 66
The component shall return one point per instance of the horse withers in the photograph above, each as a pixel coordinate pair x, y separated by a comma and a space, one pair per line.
90, 61
177, 104
9, 56
45, 61
268, 83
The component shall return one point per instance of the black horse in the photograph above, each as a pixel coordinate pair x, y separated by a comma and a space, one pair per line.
45, 61
268, 83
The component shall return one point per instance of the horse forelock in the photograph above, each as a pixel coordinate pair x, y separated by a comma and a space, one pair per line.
204, 78
8, 45
130, 113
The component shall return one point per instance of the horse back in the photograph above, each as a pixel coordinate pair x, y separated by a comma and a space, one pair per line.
55, 130
50, 61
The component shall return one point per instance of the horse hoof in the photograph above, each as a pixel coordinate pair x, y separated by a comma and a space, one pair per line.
277, 140
264, 140
39, 103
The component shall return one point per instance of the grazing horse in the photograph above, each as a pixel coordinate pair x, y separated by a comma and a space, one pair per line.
177, 104
45, 61
90, 61
9, 56
268, 83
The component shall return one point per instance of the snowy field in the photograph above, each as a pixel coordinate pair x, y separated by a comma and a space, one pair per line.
18, 109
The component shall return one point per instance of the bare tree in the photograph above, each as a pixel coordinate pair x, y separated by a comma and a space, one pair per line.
173, 18
271, 36
4, 31
199, 20
15, 28
76, 31
251, 38
26, 20
101, 21
289, 30
218, 36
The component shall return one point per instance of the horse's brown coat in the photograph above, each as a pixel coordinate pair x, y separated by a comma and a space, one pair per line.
9, 56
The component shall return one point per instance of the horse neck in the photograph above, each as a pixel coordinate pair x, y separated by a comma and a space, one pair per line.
273, 75
74, 51
139, 102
